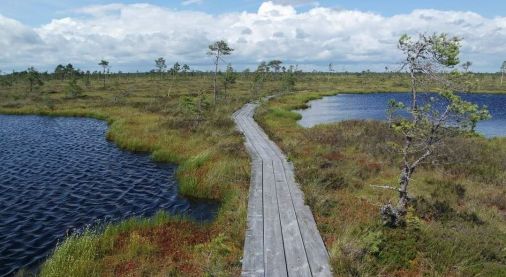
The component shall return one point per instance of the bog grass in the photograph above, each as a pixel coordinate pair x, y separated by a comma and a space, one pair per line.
456, 225
176, 121
143, 117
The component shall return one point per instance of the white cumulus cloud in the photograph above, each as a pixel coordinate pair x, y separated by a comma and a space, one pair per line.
189, 2
136, 34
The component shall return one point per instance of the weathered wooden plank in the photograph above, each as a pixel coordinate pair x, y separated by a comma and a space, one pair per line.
274, 253
295, 253
253, 258
274, 256
292, 245
275, 263
316, 252
315, 248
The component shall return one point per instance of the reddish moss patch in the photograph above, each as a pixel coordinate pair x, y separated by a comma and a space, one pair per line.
173, 251
125, 269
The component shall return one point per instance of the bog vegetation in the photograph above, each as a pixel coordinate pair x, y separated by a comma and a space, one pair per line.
455, 226
452, 222
173, 115
184, 116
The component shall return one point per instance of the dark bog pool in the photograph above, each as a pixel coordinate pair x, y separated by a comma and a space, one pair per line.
373, 106
59, 175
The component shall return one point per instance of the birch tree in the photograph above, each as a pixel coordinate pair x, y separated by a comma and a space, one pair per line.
429, 119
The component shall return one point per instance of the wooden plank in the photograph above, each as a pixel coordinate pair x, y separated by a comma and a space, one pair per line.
292, 245
253, 258
274, 253
315, 248
296, 259
275, 263
316, 251
274, 233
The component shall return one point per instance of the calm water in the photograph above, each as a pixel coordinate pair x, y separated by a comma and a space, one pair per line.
59, 175
373, 106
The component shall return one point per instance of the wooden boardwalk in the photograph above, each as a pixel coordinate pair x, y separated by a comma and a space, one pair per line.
282, 238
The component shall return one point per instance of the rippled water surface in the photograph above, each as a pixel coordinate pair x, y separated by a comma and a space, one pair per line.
58, 175
373, 106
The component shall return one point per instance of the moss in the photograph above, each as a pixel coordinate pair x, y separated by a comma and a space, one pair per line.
399, 248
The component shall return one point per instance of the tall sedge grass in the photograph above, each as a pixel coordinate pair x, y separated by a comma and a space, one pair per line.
76, 256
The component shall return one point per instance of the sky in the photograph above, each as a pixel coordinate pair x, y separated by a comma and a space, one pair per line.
131, 34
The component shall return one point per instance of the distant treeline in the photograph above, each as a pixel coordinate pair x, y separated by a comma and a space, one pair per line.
275, 70
69, 71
